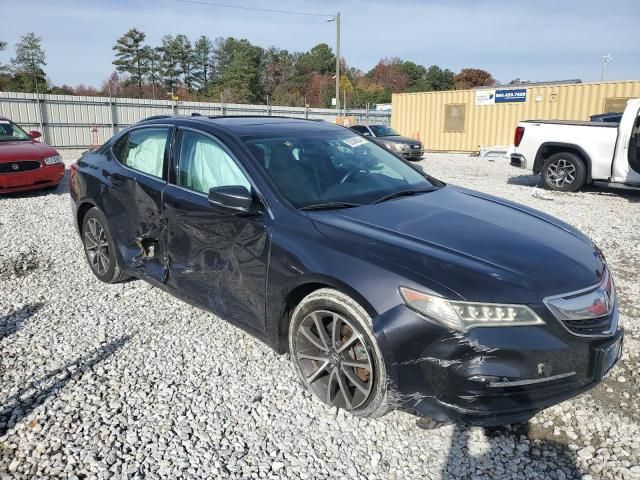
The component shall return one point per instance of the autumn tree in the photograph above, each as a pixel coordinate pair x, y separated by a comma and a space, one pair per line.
131, 56
29, 65
473, 77
388, 73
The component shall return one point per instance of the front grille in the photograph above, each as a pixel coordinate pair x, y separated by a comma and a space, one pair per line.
593, 326
19, 166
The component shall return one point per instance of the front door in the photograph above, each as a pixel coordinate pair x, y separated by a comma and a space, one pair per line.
133, 201
633, 175
626, 164
217, 257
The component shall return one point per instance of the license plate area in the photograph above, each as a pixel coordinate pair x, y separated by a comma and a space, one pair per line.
606, 356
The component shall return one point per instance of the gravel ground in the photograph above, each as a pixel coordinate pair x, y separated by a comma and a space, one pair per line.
125, 381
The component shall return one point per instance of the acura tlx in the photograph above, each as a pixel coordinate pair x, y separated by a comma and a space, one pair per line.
388, 288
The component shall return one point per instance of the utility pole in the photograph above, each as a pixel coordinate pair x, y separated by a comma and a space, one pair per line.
606, 58
336, 19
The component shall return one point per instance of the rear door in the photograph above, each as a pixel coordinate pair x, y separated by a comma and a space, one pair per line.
626, 164
218, 257
133, 198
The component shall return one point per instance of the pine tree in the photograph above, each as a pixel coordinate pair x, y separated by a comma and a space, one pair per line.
169, 62
202, 62
29, 61
130, 56
184, 52
3, 68
152, 58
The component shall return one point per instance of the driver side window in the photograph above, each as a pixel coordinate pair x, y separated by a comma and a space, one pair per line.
205, 164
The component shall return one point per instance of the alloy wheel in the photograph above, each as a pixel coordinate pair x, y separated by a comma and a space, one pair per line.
334, 359
561, 173
97, 246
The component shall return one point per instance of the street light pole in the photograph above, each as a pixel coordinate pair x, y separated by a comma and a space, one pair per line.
338, 62
336, 19
606, 58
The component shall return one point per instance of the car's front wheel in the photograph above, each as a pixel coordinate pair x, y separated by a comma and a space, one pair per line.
335, 353
99, 248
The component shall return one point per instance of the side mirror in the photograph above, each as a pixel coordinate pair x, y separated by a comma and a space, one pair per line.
34, 134
235, 197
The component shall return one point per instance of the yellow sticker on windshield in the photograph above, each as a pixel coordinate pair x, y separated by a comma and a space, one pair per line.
354, 141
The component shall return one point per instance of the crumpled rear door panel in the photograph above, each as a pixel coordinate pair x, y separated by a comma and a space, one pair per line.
133, 204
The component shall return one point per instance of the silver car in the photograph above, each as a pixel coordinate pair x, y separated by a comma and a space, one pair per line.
409, 148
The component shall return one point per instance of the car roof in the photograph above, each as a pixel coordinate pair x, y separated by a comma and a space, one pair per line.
250, 125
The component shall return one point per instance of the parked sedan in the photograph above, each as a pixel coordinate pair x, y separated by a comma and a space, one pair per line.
386, 136
389, 288
26, 164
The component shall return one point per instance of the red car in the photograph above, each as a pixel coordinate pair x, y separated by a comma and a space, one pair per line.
26, 164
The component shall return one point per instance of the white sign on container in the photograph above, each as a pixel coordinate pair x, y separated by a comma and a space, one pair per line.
485, 97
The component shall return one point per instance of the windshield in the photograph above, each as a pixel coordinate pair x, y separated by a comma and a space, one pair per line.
10, 132
383, 131
335, 167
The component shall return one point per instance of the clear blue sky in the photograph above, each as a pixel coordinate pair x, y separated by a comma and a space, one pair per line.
529, 39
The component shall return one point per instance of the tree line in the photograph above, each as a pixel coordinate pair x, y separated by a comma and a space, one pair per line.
235, 71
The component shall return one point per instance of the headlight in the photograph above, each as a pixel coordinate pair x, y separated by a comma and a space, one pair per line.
53, 160
586, 304
466, 315
401, 146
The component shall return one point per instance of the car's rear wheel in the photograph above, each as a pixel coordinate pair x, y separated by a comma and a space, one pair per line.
335, 353
99, 248
564, 172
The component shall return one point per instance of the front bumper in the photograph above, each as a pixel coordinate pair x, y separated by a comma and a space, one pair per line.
43, 177
487, 376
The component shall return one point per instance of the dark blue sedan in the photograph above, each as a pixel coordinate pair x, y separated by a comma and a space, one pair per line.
388, 288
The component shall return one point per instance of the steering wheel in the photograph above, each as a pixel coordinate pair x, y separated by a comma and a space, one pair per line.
351, 173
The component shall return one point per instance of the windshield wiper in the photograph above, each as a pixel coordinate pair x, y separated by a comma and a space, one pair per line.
403, 193
330, 206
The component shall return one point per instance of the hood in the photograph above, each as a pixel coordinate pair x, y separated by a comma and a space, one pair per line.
399, 139
480, 247
24, 150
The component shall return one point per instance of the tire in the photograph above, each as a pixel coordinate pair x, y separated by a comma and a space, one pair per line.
353, 378
564, 172
99, 248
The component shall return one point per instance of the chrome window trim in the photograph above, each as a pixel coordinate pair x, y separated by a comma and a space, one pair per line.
613, 327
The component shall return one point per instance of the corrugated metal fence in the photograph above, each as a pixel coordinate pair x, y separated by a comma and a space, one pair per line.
463, 120
67, 121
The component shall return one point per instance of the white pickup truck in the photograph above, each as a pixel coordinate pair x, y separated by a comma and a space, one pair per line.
570, 154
